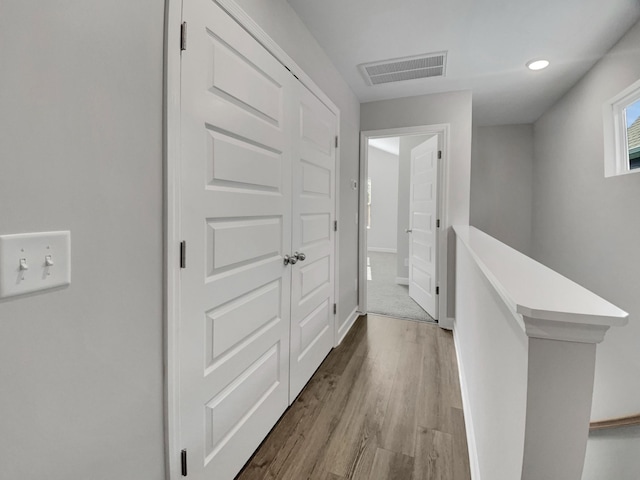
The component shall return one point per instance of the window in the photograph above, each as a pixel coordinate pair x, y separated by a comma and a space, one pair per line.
622, 132
632, 121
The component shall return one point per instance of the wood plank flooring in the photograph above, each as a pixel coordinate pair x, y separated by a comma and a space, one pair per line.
383, 405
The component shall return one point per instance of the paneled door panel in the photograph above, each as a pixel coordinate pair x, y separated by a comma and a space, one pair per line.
312, 293
236, 220
423, 204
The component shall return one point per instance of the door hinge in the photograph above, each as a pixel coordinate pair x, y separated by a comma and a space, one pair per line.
336, 141
183, 254
438, 223
183, 462
335, 308
439, 154
335, 226
183, 36
437, 290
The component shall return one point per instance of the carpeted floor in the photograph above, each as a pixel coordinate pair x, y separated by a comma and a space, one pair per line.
385, 296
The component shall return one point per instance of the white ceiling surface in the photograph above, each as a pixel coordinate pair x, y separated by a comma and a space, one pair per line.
488, 44
387, 144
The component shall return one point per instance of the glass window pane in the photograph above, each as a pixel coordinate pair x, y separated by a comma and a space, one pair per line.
632, 116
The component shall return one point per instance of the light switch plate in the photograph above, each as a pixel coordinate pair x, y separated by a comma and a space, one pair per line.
31, 250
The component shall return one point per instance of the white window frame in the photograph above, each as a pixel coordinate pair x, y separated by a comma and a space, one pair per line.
616, 149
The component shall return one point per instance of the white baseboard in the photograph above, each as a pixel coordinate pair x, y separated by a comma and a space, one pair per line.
468, 419
346, 326
382, 250
402, 280
446, 323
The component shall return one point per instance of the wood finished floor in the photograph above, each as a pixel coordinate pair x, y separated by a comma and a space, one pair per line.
384, 405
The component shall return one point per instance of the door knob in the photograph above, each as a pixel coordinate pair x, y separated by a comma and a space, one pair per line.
300, 256
408, 230
290, 260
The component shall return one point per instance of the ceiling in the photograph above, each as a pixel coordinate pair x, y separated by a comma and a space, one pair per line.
488, 43
387, 144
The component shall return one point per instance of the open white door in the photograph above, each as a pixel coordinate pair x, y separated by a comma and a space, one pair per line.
312, 284
423, 205
236, 221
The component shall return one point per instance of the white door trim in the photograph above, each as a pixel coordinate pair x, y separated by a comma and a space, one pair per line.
171, 161
172, 139
443, 132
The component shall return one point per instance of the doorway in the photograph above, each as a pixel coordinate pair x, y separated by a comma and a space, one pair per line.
401, 217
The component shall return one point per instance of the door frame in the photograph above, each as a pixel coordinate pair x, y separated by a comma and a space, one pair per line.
443, 133
171, 204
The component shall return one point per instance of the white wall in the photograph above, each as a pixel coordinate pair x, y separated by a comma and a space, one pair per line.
501, 183
613, 454
453, 108
586, 226
407, 143
383, 172
81, 368
494, 390
282, 24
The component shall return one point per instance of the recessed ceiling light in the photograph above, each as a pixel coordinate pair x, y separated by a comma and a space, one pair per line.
537, 64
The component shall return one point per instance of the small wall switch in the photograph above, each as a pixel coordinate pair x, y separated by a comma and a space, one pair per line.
31, 262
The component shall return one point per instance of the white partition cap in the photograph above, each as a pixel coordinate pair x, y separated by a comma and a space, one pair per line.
546, 304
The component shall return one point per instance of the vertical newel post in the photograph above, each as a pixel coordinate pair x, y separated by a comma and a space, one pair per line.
560, 380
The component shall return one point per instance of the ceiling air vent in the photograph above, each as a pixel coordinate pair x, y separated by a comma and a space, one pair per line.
407, 68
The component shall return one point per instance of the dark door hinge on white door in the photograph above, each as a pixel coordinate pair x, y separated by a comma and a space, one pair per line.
438, 223
291, 72
335, 308
183, 254
183, 462
336, 141
335, 226
437, 290
439, 154
183, 36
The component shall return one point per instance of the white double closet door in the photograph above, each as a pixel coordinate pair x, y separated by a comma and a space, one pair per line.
257, 184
